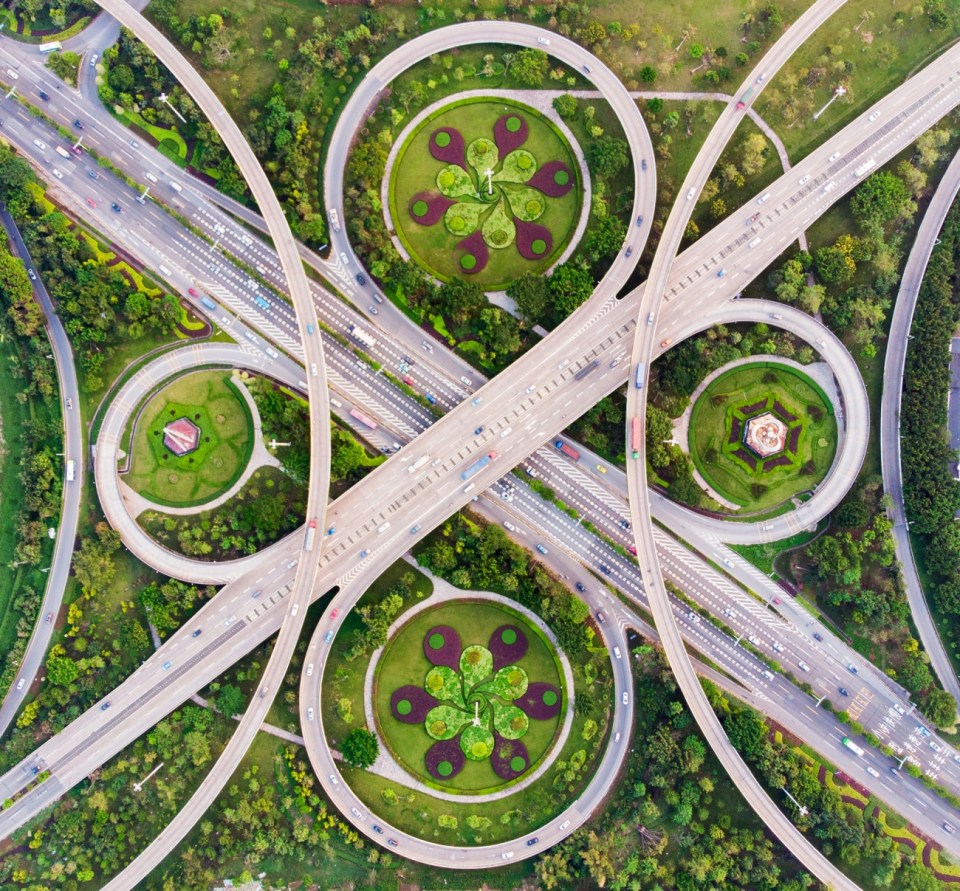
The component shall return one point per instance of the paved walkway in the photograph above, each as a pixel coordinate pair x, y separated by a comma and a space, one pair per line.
821, 374
387, 767
260, 456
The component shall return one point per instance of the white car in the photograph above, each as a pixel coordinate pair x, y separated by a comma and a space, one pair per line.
803, 665
93, 60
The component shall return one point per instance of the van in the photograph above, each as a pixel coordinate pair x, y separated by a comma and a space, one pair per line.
176, 186
383, 527
763, 199
755, 242
334, 219
829, 187
313, 369
617, 653
469, 488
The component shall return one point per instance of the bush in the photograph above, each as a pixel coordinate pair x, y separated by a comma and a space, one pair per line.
852, 515
360, 748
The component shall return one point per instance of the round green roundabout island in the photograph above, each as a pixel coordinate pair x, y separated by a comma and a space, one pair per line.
485, 188
191, 440
762, 433
469, 697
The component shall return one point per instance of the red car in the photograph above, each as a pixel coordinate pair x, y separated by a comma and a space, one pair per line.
334, 613
777, 601
632, 550
91, 202
193, 293
741, 106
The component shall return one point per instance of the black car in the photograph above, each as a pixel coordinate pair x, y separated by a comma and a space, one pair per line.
392, 842
105, 706
604, 569
625, 524
532, 841
817, 636
478, 431
197, 633
580, 587
44, 96
843, 691
361, 279
116, 208
78, 124
643, 164
377, 829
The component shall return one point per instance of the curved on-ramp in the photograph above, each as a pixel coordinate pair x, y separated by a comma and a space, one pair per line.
643, 352
893, 369
319, 483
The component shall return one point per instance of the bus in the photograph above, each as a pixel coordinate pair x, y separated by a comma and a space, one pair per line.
310, 536
363, 419
635, 436
639, 378
53, 47
71, 471
852, 746
587, 369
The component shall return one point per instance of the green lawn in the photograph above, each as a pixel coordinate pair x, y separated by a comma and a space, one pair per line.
710, 434
211, 401
416, 170
404, 662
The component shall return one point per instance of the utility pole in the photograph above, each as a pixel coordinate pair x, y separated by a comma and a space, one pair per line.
139, 786
803, 810
837, 93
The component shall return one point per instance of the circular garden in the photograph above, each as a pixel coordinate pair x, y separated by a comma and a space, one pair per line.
762, 433
485, 188
191, 440
469, 696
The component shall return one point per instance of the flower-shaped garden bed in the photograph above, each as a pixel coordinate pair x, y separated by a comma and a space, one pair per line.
485, 699
485, 189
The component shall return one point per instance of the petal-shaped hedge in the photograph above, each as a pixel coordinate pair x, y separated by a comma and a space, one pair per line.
428, 208
518, 167
411, 704
476, 665
554, 179
444, 759
463, 218
447, 144
508, 644
498, 229
510, 682
443, 683
533, 240
445, 722
482, 155
455, 182
541, 701
474, 253
442, 646
510, 132
510, 758
509, 721
526, 204
476, 741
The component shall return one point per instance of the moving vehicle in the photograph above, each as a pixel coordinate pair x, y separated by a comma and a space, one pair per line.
542, 549
116, 208
366, 420
665, 343
852, 746
742, 102
587, 369
71, 470
866, 166
311, 535
571, 453
764, 198
844, 691
636, 438
208, 303
357, 333
478, 465
817, 636
197, 633
361, 279
61, 151
44, 95
49, 618
54, 46
334, 219
93, 60
580, 587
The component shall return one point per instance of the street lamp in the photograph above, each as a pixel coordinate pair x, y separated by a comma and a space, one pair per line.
837, 93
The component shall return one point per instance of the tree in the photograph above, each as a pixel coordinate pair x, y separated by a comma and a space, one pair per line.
941, 708
655, 105
605, 239
834, 266
529, 292
566, 105
460, 300
648, 74
230, 700
360, 748
607, 156
883, 199
530, 67
570, 285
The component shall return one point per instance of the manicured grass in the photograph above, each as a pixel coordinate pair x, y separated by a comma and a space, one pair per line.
403, 662
416, 171
763, 556
211, 401
710, 434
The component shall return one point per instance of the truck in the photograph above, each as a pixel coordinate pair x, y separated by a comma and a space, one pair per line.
363, 419
636, 442
567, 450
61, 151
478, 465
865, 167
641, 371
852, 746
362, 336
742, 103
418, 463
71, 471
583, 372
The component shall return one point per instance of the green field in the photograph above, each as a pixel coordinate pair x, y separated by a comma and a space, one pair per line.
403, 662
210, 400
415, 170
710, 432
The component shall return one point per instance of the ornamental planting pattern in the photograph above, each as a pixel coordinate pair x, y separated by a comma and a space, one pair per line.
476, 702
491, 193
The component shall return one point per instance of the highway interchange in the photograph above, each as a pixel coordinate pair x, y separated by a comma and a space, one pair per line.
546, 379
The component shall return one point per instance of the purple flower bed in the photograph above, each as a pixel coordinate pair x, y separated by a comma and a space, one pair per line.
446, 751
794, 440
417, 700
554, 179
454, 151
474, 253
746, 457
773, 463
533, 240
509, 651
748, 410
508, 139
432, 206
448, 653
783, 413
736, 430
532, 702
507, 757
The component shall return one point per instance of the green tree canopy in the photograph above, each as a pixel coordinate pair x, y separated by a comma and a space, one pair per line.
359, 748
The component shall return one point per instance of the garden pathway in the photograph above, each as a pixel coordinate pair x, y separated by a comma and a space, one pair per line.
387, 767
260, 456
820, 372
